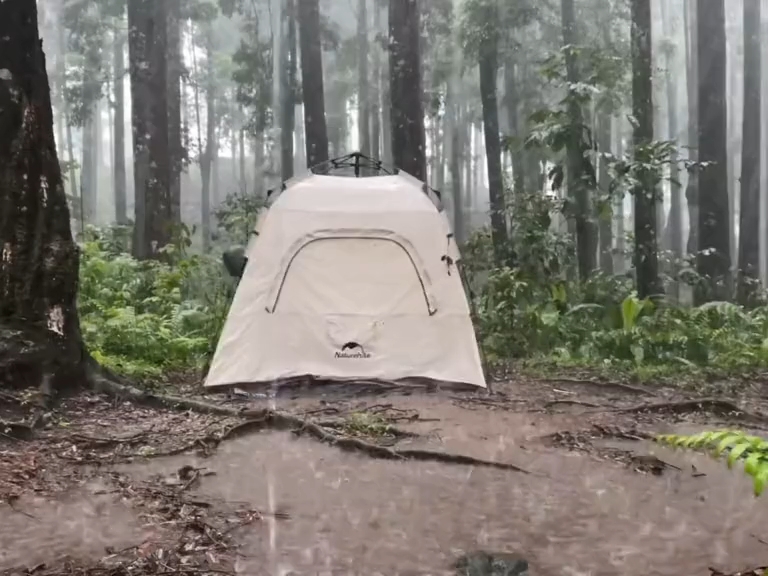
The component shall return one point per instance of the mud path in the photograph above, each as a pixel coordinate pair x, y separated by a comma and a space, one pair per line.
595, 502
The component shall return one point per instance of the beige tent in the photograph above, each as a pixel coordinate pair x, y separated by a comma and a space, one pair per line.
350, 279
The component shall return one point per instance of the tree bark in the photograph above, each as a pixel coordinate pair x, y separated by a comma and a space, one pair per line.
605, 217
147, 45
578, 189
120, 184
315, 126
288, 91
376, 73
176, 152
488, 64
209, 154
749, 217
692, 74
714, 255
363, 96
646, 258
39, 260
407, 114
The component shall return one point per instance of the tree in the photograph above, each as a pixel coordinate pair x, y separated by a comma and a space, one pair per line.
147, 47
488, 59
363, 97
646, 259
749, 219
312, 82
407, 113
39, 262
288, 90
713, 256
578, 188
118, 67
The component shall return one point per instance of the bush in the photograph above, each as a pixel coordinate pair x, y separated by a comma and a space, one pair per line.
147, 318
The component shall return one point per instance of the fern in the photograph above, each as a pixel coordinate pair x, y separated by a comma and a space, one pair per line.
735, 445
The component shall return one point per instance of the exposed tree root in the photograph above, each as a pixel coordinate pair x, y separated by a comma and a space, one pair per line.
714, 405
604, 385
257, 420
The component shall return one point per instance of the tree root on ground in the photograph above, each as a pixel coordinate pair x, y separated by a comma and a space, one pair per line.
714, 405
598, 384
257, 420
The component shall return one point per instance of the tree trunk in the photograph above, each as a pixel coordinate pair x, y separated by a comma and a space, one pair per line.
120, 184
713, 257
578, 189
605, 216
210, 153
692, 74
407, 114
488, 63
375, 99
646, 259
620, 262
312, 82
39, 260
749, 217
241, 146
87, 169
675, 220
288, 91
512, 103
363, 96
176, 152
147, 45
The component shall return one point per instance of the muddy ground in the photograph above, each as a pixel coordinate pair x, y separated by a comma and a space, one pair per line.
110, 487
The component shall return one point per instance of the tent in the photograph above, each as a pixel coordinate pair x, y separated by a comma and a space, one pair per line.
350, 279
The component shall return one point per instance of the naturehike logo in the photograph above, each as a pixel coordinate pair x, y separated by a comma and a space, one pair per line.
352, 350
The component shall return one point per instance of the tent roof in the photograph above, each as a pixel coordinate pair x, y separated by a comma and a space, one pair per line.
321, 193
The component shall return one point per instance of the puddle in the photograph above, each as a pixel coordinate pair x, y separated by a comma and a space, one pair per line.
78, 524
351, 514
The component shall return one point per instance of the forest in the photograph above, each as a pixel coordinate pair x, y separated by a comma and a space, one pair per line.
604, 170
562, 166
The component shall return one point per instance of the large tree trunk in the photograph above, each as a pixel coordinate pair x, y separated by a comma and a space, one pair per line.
578, 189
312, 82
646, 259
488, 63
120, 184
288, 91
363, 96
407, 114
176, 150
39, 260
714, 256
749, 218
620, 261
147, 44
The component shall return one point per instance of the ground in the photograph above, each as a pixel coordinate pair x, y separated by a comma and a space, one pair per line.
112, 487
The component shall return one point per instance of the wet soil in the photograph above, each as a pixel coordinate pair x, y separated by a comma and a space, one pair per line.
599, 498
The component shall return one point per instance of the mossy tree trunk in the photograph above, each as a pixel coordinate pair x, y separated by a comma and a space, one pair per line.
38, 258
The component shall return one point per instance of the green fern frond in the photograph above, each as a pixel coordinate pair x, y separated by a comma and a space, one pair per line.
752, 450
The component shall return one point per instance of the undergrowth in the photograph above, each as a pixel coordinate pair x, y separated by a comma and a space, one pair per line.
147, 318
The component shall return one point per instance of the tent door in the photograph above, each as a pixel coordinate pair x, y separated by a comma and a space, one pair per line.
352, 276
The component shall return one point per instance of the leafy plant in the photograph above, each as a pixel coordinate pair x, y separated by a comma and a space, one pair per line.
734, 445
